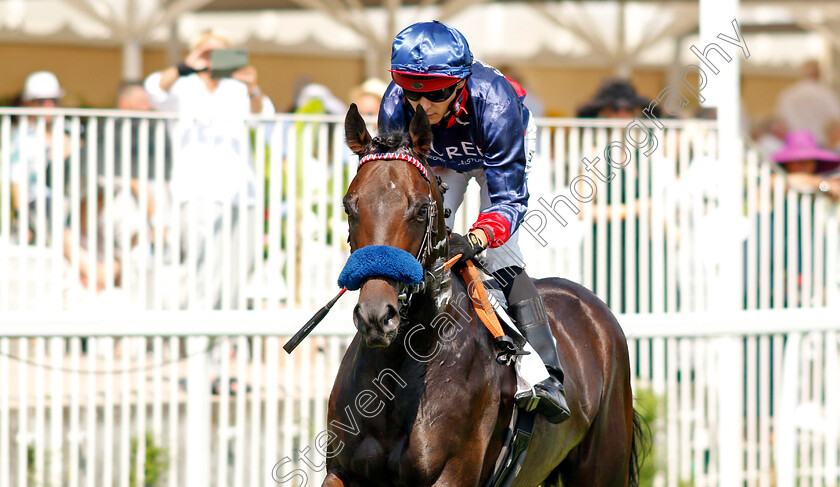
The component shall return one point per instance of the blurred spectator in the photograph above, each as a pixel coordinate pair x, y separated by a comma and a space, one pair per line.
769, 135
124, 209
808, 166
616, 98
368, 95
706, 113
41, 89
123, 202
32, 152
212, 165
311, 99
131, 95
315, 98
832, 134
809, 104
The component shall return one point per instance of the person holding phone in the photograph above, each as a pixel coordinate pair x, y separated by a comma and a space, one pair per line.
196, 68
212, 160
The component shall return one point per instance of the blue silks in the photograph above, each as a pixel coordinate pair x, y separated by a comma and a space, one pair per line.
380, 261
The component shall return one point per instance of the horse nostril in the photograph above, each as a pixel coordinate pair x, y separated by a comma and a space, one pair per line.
390, 314
381, 317
358, 319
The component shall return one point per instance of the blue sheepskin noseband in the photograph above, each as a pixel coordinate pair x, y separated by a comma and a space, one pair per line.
380, 261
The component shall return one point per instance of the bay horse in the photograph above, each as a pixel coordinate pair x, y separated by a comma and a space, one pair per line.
419, 399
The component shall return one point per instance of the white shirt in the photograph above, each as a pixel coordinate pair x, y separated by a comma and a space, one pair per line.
211, 144
29, 156
809, 105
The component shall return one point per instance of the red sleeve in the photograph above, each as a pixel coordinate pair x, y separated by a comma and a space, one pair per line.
520, 91
496, 226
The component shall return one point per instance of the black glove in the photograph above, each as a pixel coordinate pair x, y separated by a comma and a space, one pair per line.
185, 70
468, 246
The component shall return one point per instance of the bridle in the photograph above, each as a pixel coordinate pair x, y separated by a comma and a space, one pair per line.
432, 279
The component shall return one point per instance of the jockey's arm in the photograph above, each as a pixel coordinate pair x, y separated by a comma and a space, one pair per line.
504, 170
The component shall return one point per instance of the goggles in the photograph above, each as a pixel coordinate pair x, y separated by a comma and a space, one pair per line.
436, 96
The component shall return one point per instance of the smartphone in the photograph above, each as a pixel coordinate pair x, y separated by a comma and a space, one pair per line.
226, 61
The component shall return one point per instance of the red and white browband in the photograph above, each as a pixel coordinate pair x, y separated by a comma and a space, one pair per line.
394, 155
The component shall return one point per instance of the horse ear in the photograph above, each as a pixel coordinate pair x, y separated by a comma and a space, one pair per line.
420, 131
355, 131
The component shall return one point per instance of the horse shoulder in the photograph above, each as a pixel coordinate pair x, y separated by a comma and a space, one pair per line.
462, 404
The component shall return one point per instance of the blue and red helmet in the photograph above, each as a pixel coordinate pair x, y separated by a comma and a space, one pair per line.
429, 56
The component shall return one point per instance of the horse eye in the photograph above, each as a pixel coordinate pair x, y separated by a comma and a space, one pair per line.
348, 210
422, 213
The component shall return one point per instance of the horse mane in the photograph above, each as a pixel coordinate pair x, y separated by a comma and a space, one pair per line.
393, 141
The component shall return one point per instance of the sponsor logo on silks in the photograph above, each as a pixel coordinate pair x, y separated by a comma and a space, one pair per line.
458, 151
417, 85
442, 161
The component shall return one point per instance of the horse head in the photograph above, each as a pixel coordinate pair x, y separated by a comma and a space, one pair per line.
397, 233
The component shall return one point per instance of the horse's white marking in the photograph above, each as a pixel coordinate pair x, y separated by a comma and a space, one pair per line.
393, 185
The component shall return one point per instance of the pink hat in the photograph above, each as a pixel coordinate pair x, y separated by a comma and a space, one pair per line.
800, 145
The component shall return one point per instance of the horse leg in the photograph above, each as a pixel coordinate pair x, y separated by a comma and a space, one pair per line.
452, 478
603, 457
463, 471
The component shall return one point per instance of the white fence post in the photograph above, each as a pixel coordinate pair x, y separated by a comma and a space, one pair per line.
56, 347
197, 440
786, 436
730, 434
723, 94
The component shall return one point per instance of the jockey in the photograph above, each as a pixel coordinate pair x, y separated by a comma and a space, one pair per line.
481, 130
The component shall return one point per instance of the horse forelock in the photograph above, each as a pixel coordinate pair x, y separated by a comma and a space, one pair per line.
395, 141
398, 141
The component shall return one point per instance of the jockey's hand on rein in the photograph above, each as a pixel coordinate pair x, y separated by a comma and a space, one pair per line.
468, 246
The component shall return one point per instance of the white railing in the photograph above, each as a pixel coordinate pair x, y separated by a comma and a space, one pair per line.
650, 240
647, 241
179, 255
771, 374
88, 400
91, 408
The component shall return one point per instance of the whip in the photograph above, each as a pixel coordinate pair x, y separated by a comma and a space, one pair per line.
311, 324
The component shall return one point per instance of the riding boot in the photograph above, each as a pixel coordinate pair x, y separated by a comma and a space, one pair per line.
531, 319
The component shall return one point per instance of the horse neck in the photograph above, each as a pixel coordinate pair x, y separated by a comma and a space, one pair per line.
428, 363
441, 323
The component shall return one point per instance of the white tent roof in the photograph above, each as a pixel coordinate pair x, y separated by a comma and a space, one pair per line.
654, 33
